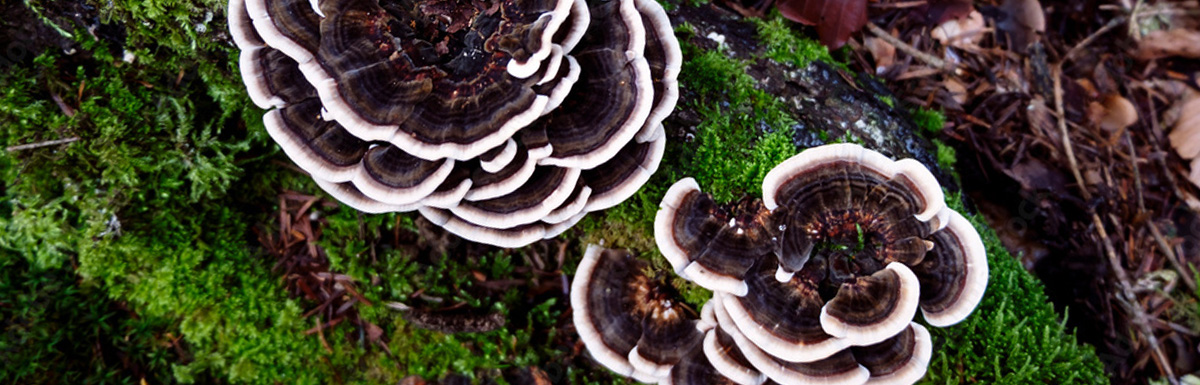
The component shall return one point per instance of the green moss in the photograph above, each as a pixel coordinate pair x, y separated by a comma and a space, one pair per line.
946, 156
887, 99
930, 121
784, 45
729, 153
397, 277
233, 314
142, 200
729, 159
48, 318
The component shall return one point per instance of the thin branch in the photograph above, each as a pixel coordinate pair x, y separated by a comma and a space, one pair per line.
1171, 257
1056, 73
1125, 295
1129, 301
1087, 41
908, 49
32, 146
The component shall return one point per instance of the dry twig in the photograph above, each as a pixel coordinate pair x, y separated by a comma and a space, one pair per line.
31, 146
1125, 295
908, 49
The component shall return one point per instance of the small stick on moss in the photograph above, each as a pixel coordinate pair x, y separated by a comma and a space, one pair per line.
910, 50
32, 146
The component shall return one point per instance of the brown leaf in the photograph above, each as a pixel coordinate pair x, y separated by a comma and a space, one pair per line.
960, 32
884, 53
957, 90
1194, 176
1034, 175
374, 332
1185, 136
836, 20
1175, 42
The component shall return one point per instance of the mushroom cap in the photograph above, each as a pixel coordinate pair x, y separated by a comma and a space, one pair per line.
954, 275
511, 237
413, 95
695, 369
835, 368
607, 324
323, 149
666, 60
667, 336
711, 245
351, 196
586, 131
496, 158
782, 318
629, 322
621, 176
873, 308
684, 206
901, 359
722, 352
854, 167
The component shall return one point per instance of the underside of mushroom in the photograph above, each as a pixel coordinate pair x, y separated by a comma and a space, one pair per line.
504, 121
818, 282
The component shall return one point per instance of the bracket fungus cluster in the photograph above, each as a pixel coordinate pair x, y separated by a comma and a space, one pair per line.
504, 121
819, 282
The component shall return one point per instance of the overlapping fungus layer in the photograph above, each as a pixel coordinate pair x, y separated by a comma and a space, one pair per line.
504, 121
819, 282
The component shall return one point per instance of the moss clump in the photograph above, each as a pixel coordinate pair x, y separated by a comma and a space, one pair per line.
48, 319
390, 275
887, 99
930, 121
784, 45
142, 200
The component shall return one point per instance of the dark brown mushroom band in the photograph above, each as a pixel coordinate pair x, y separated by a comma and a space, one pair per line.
504, 121
818, 282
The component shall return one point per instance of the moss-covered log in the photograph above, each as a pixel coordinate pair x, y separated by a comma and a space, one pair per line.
155, 208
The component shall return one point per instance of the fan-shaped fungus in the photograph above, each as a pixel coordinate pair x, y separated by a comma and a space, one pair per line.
505, 121
821, 280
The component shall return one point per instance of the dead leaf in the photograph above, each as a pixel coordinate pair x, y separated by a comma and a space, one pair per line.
1088, 87
962, 32
1194, 177
412, 380
1034, 175
1040, 118
956, 89
836, 20
374, 332
1185, 136
883, 52
1175, 42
